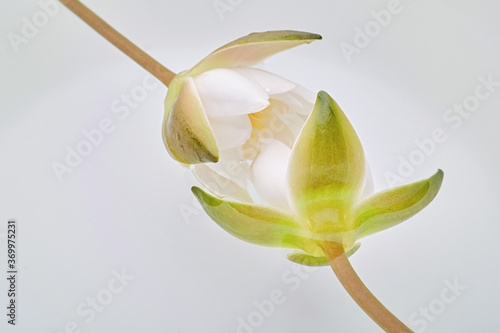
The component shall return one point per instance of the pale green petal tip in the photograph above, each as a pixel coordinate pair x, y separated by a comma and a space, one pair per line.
194, 156
437, 178
204, 197
327, 105
435, 182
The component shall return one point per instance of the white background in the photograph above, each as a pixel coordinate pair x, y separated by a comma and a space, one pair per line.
128, 206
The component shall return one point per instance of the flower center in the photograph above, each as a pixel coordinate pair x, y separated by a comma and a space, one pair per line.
259, 119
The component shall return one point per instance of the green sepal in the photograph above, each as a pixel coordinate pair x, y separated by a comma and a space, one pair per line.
306, 259
251, 49
187, 134
250, 222
327, 166
391, 207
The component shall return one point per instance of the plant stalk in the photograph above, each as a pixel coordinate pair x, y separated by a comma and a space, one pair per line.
114, 37
359, 292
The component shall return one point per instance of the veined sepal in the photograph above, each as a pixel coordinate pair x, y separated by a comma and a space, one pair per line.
386, 209
252, 223
187, 133
327, 167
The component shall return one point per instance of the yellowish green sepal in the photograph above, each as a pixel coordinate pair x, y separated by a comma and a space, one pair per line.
389, 208
327, 166
250, 222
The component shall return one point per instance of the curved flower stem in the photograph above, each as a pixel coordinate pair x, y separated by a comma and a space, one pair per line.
359, 292
114, 37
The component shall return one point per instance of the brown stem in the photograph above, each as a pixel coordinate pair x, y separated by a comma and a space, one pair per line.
359, 292
114, 37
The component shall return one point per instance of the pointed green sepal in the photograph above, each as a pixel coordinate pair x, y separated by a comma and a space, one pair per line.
303, 258
327, 166
251, 49
389, 208
187, 134
252, 223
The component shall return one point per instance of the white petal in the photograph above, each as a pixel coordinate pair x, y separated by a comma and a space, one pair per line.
278, 129
232, 154
219, 185
232, 131
299, 100
225, 92
271, 83
292, 120
306, 94
269, 174
232, 166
